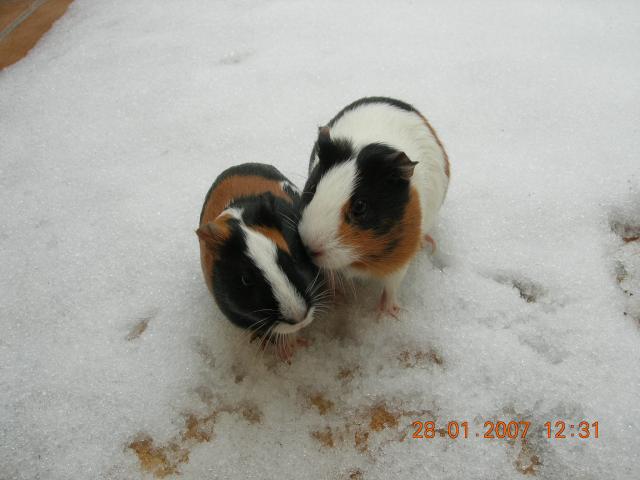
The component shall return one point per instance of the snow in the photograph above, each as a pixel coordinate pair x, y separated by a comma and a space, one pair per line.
114, 361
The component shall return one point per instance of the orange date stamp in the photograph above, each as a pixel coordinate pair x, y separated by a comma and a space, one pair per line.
505, 429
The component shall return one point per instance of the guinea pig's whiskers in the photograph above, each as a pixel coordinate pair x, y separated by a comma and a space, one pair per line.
292, 222
316, 287
254, 327
289, 223
281, 349
312, 284
263, 341
264, 337
320, 297
321, 311
340, 281
321, 301
252, 331
331, 279
258, 324
315, 282
353, 287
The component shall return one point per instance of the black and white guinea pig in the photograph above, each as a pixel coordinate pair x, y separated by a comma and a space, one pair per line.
378, 175
252, 258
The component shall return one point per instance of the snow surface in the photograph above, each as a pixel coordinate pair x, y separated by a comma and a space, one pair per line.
113, 128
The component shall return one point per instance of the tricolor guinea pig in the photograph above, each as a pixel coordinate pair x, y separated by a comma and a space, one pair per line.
378, 175
252, 258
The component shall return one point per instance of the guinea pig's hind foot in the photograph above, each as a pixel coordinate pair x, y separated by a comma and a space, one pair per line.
428, 240
388, 305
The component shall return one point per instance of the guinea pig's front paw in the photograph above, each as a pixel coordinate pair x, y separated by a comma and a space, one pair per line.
428, 241
388, 305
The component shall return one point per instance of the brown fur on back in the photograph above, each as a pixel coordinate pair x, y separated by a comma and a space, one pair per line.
237, 186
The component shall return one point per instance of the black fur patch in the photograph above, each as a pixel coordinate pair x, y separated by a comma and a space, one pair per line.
241, 291
381, 187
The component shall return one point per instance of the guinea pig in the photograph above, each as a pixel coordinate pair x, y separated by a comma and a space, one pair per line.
252, 258
378, 175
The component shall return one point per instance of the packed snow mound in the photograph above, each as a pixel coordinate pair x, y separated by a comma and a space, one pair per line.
116, 364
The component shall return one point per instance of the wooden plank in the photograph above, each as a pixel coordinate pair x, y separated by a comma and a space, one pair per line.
21, 34
10, 10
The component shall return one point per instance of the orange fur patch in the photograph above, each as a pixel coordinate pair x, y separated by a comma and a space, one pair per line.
212, 234
237, 186
447, 168
274, 235
385, 254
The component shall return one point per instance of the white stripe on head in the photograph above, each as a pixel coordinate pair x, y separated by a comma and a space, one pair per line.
233, 212
321, 218
263, 252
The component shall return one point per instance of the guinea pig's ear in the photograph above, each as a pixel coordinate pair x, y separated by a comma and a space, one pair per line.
324, 134
325, 146
404, 166
332, 150
211, 234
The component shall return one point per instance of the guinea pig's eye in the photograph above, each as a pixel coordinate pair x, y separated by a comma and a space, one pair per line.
358, 208
246, 280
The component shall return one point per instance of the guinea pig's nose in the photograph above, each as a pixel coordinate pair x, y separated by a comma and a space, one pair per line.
315, 252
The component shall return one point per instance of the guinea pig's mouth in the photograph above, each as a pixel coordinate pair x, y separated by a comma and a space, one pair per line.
287, 328
332, 258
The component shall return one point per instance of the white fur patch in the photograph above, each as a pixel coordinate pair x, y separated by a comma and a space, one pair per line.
321, 218
407, 132
233, 212
288, 328
263, 252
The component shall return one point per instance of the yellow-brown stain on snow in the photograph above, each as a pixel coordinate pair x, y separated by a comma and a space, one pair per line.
418, 358
164, 460
319, 401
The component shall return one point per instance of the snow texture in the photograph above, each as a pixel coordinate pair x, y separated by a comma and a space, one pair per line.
114, 361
